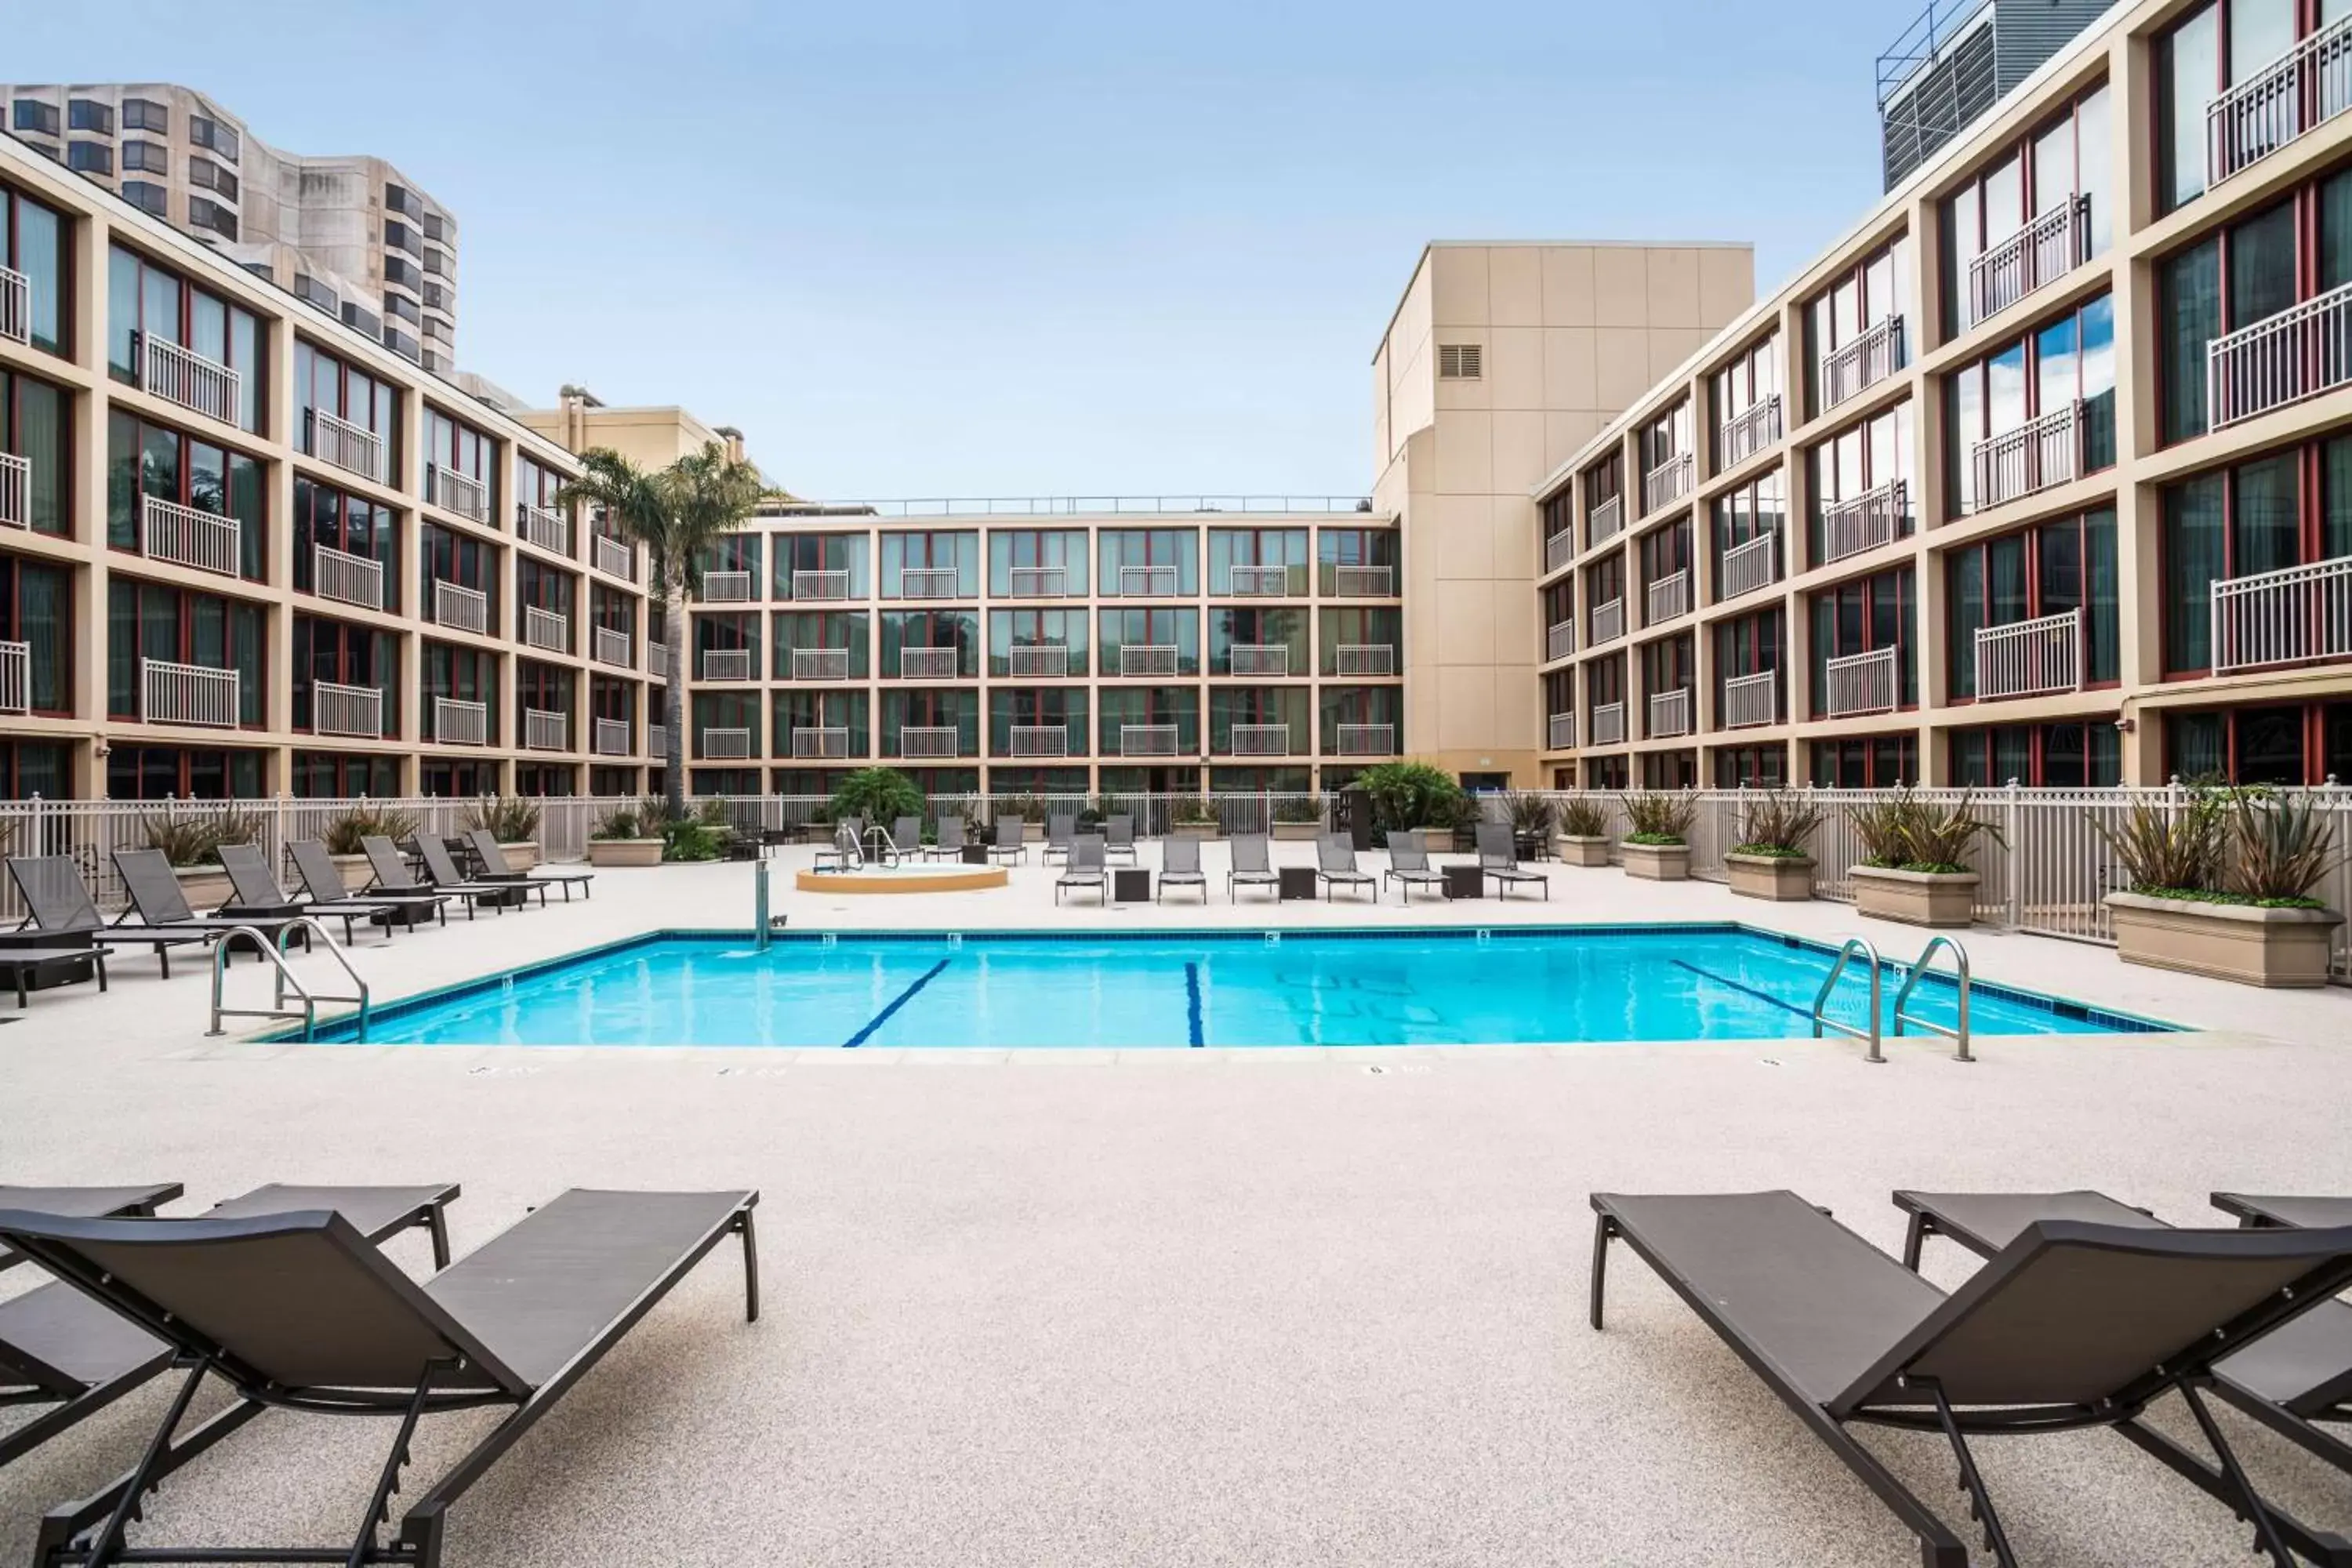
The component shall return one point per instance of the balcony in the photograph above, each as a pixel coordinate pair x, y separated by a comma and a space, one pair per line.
1852, 369
549, 529
1751, 699
615, 559
459, 606
187, 694
1363, 581
346, 578
1147, 582
1667, 483
16, 492
186, 537
1751, 565
727, 664
15, 678
2286, 617
546, 629
1607, 522
1870, 520
1559, 734
826, 743
657, 659
927, 741
1750, 431
806, 585
458, 723
2287, 98
16, 305
545, 730
354, 449
1559, 640
657, 742
2027, 659
1862, 683
731, 587
1558, 551
611, 646
2035, 456
1258, 741
2301, 352
1669, 596
1146, 740
1040, 741
1258, 658
928, 582
1148, 658
820, 664
2038, 255
1364, 741
927, 663
1670, 713
731, 744
1258, 581
461, 493
340, 710
609, 738
1047, 660
1363, 658
187, 378
1608, 724
1607, 623
1038, 583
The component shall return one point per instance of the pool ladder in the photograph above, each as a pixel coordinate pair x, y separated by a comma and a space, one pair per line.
287, 980
1956, 1032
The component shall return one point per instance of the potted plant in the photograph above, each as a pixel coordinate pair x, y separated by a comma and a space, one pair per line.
1299, 818
2222, 886
1658, 848
191, 845
1914, 859
1532, 816
512, 821
1194, 817
619, 838
880, 795
1416, 797
1583, 832
1770, 860
345, 830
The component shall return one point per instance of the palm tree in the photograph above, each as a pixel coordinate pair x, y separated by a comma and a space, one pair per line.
674, 513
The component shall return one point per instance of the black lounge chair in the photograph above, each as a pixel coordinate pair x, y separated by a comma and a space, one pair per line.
2255, 1212
1335, 864
1498, 856
1119, 835
1252, 866
906, 838
59, 904
1061, 829
59, 1348
392, 879
485, 846
516, 1323
258, 889
1085, 869
155, 894
848, 847
61, 961
441, 871
1008, 844
951, 841
1409, 866
322, 879
1180, 866
2071, 1325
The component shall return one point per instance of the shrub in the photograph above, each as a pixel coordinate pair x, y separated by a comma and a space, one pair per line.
1904, 833
1583, 817
1531, 815
2279, 849
510, 818
2169, 848
1194, 811
344, 832
877, 795
1778, 825
619, 822
687, 839
1658, 817
1414, 794
1299, 808
196, 840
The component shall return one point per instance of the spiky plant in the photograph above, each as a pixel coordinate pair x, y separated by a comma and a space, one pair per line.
1659, 817
1780, 824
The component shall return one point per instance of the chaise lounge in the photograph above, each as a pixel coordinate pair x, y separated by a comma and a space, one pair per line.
485, 846
322, 879
1409, 866
59, 904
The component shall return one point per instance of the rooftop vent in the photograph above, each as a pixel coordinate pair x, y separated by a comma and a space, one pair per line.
1956, 60
1460, 362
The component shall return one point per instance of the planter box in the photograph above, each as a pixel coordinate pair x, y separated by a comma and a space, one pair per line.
1658, 862
1298, 832
520, 856
1575, 850
624, 851
1201, 830
356, 871
1945, 898
2224, 941
1779, 878
206, 888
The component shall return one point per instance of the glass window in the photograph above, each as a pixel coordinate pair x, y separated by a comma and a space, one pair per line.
2188, 70
32, 114
90, 157
89, 114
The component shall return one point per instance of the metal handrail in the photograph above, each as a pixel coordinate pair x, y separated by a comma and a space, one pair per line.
1959, 1037
1822, 997
286, 977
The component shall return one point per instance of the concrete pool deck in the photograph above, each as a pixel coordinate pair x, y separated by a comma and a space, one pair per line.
1176, 1307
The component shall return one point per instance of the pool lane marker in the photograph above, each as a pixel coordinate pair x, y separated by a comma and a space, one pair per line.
1747, 990
896, 1002
1192, 1003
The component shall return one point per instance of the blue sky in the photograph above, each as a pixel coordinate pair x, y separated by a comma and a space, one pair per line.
933, 249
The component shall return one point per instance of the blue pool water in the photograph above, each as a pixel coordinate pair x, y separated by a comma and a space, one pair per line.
1180, 990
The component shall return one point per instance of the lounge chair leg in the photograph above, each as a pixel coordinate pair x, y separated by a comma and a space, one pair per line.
437, 1222
363, 1545
751, 1266
2266, 1535
1913, 1239
109, 1539
1603, 1230
1979, 1500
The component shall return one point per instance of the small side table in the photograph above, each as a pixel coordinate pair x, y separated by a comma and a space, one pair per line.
1465, 882
1296, 882
1130, 886
975, 854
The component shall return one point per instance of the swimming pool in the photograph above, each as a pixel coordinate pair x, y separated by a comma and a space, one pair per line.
1185, 989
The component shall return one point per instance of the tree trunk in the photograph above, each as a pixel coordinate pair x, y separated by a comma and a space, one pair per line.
673, 603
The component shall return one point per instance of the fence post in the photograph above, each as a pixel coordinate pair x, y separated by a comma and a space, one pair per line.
2015, 851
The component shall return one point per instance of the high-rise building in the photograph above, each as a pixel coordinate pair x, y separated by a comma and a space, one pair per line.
349, 234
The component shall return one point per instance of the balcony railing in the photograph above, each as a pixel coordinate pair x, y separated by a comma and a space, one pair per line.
1852, 369
2039, 254
187, 378
2294, 614
1560, 550
612, 646
1751, 565
2301, 351
1146, 740
1258, 582
1870, 520
461, 493
729, 587
1364, 741
1041, 740
656, 740
340, 710
16, 305
186, 537
1049, 660
928, 582
1038, 583
1258, 658
1751, 699
16, 492
1607, 522
731, 744
727, 664
832, 584
1607, 623
546, 629
2035, 456
549, 529
1363, 581
1862, 683
820, 664
656, 659
1559, 640
1560, 733
1147, 582
927, 663
1669, 596
461, 723
615, 559
15, 676
1375, 659
187, 694
1750, 430
455, 605
1148, 658
1260, 740
927, 741
354, 449
545, 730
2027, 657
1608, 724
1670, 713
346, 578
2289, 97
1667, 483
609, 738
